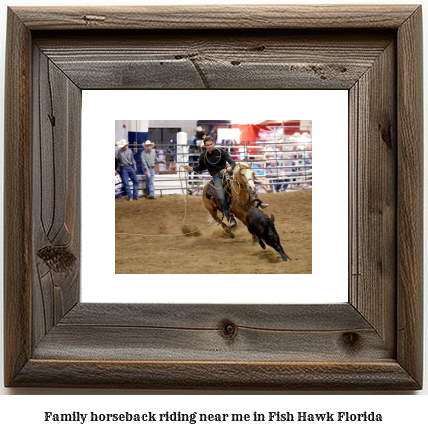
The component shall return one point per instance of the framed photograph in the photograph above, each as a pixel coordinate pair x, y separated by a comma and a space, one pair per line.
372, 341
178, 236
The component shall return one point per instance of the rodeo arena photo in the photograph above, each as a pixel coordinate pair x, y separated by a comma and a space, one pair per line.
213, 197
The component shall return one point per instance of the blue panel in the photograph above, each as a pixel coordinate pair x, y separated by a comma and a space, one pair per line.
132, 137
142, 137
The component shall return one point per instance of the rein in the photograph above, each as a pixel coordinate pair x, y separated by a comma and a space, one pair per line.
252, 196
179, 235
184, 191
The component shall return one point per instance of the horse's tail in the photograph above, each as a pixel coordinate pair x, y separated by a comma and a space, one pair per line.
255, 200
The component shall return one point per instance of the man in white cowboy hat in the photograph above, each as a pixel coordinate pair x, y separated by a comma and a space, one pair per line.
128, 169
148, 160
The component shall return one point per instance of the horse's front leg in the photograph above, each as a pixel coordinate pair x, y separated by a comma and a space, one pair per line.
228, 230
213, 212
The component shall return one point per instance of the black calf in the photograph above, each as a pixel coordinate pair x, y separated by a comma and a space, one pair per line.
261, 226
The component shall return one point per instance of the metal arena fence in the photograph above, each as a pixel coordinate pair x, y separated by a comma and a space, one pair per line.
280, 166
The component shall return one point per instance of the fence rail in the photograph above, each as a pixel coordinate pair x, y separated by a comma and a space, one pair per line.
292, 167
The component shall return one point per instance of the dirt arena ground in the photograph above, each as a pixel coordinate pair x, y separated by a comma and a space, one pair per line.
211, 250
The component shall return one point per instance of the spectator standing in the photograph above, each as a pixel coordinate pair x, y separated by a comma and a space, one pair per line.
272, 172
116, 161
148, 161
212, 132
162, 165
259, 175
200, 135
196, 148
128, 169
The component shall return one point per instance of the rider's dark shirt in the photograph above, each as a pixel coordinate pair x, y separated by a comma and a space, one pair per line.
214, 162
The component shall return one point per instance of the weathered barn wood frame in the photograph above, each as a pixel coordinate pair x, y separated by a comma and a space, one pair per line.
372, 342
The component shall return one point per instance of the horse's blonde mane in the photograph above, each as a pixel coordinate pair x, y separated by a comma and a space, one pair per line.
241, 165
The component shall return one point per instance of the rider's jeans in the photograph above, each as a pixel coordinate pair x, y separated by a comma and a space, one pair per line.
218, 179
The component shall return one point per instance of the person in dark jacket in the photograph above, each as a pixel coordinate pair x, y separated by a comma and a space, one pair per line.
214, 160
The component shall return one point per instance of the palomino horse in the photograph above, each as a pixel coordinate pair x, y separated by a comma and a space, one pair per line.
243, 190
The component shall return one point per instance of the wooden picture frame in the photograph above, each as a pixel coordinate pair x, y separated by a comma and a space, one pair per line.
372, 342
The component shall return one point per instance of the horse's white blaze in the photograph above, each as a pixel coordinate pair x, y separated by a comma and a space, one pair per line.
248, 173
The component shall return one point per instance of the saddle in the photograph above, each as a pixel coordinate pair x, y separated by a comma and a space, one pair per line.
211, 192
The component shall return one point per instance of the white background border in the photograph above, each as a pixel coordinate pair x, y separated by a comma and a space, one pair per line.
328, 282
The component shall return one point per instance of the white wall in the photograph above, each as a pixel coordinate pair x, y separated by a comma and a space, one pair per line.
121, 133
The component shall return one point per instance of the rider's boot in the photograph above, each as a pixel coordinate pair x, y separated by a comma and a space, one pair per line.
262, 205
232, 222
230, 219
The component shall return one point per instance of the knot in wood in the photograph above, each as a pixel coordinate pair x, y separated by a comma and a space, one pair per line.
386, 134
351, 340
58, 259
228, 330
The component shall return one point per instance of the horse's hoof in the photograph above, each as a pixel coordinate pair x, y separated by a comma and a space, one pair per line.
231, 235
